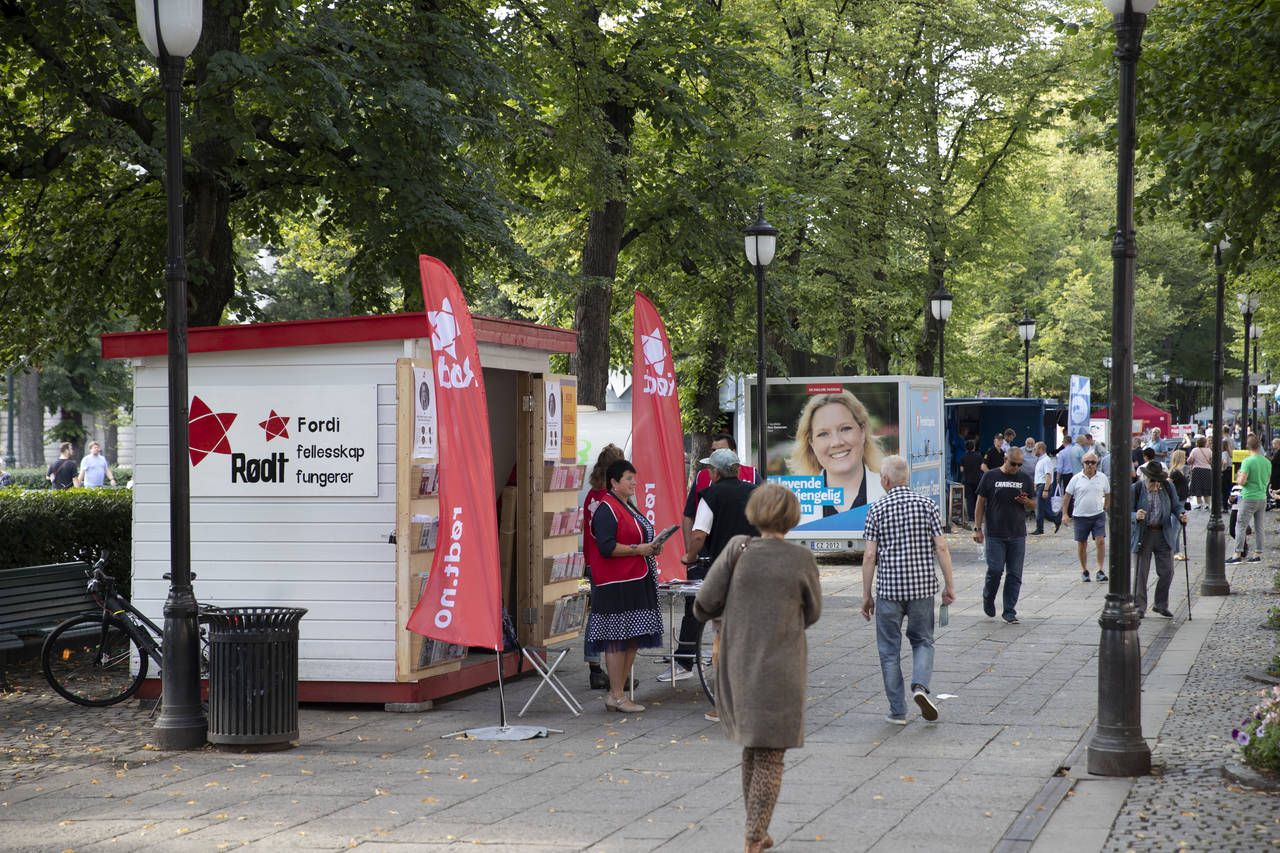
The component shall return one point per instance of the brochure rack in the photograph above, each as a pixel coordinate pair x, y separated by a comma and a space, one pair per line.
549, 566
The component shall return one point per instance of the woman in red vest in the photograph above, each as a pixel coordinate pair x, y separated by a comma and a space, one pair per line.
624, 604
596, 493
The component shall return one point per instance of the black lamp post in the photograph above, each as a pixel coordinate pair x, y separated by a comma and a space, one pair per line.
1255, 332
1215, 540
9, 458
1247, 303
1181, 401
1117, 747
1026, 331
940, 307
182, 723
761, 240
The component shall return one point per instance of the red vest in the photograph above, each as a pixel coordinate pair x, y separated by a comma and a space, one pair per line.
616, 569
590, 550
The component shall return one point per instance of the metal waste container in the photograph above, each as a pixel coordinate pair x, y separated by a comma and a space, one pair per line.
253, 676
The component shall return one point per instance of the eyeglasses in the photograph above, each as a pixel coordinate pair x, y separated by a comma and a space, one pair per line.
1091, 463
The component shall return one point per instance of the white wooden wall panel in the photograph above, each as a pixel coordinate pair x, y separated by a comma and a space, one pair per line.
329, 555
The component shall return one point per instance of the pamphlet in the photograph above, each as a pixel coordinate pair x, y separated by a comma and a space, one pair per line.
665, 534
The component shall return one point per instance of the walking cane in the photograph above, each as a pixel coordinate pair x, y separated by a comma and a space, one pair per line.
1186, 568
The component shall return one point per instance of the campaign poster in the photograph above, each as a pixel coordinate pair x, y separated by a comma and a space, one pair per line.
553, 411
1078, 420
283, 441
424, 415
825, 442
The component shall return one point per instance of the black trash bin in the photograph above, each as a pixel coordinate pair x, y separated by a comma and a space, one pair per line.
253, 676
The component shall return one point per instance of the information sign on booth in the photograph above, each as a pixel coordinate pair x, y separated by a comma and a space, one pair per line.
284, 441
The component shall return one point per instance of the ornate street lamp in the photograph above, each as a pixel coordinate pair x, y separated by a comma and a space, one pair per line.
182, 723
1215, 541
1026, 331
940, 307
1117, 747
761, 240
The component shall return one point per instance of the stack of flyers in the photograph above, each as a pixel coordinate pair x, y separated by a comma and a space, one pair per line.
568, 565
566, 521
436, 651
430, 530
430, 482
568, 613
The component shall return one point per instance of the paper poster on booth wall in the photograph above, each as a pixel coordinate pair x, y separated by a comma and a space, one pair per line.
424, 414
284, 441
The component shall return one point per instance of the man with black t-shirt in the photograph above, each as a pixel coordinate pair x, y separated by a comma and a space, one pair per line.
1004, 495
63, 471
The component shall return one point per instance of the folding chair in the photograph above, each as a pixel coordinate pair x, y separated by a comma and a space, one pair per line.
545, 660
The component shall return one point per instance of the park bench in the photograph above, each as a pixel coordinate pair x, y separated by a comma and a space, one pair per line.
35, 599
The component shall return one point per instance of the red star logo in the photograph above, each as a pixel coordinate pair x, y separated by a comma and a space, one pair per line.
276, 426
207, 432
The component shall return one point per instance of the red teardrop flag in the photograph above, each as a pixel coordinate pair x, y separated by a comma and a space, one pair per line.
657, 441
462, 601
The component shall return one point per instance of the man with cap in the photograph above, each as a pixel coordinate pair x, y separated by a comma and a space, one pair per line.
721, 515
1157, 523
702, 480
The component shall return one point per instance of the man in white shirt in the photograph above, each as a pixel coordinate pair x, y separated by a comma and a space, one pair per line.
1090, 493
1045, 477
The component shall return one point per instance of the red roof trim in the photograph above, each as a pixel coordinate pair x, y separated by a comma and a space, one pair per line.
339, 330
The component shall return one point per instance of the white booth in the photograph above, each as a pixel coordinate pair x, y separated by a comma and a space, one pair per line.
300, 475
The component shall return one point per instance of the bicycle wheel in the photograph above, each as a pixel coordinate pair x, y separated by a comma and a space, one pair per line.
86, 660
705, 660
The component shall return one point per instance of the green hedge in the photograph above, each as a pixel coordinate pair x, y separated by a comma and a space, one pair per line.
38, 478
57, 526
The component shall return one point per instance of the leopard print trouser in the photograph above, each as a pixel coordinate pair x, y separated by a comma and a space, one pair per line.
761, 781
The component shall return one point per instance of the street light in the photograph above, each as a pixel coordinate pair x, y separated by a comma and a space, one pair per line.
761, 240
1248, 304
1026, 331
182, 723
1117, 747
1215, 542
940, 306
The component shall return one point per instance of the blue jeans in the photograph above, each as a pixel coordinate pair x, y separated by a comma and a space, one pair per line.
1044, 509
919, 616
1004, 556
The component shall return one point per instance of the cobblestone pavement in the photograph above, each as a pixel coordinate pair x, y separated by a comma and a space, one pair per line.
1188, 804
986, 777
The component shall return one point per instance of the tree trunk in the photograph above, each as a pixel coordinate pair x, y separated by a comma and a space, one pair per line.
30, 421
593, 311
207, 211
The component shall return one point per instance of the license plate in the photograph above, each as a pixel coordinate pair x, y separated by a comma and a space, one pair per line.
828, 545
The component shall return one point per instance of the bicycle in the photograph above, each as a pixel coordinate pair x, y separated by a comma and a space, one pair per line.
88, 658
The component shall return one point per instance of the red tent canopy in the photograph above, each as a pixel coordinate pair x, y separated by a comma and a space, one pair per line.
1149, 414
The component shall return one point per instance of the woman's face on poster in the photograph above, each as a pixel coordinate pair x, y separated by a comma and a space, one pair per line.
836, 439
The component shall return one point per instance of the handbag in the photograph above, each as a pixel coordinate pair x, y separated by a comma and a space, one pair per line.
1055, 500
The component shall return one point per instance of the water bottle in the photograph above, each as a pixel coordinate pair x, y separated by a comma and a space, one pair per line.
944, 614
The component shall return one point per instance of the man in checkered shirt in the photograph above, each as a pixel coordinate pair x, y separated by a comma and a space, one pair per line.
903, 535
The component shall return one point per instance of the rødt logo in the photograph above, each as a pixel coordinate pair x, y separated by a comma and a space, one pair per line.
657, 379
444, 334
276, 426
207, 431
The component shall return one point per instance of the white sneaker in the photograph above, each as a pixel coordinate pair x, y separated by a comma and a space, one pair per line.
896, 721
681, 675
928, 710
